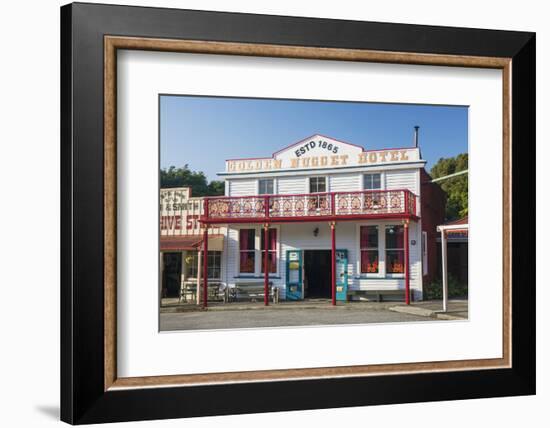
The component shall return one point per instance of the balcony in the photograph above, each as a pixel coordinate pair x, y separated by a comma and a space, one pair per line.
368, 204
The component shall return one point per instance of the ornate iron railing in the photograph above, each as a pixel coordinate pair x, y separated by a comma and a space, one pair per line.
366, 203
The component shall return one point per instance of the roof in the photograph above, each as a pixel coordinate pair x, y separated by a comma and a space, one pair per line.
456, 228
463, 220
184, 242
190, 242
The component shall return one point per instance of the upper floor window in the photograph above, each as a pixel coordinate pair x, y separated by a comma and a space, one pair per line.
265, 186
371, 181
317, 184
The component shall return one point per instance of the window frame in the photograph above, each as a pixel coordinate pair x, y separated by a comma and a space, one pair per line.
370, 174
381, 274
386, 249
377, 248
260, 180
258, 260
316, 177
253, 251
193, 265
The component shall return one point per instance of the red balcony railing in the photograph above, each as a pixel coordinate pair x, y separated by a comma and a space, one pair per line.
334, 205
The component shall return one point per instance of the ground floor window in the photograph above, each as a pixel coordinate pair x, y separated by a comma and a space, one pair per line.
395, 249
247, 250
369, 249
214, 264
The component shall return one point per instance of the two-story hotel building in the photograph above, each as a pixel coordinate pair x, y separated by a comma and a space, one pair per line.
323, 218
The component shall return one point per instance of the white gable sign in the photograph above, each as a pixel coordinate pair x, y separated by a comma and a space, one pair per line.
322, 152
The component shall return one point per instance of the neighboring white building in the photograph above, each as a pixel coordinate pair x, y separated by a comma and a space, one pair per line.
305, 195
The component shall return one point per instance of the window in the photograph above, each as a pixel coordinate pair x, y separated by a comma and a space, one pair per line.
265, 186
369, 249
214, 264
271, 251
395, 249
317, 184
424, 253
371, 181
246, 250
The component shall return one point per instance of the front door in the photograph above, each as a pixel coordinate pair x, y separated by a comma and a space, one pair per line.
317, 274
294, 283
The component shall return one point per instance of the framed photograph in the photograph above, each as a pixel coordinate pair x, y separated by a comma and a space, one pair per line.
266, 213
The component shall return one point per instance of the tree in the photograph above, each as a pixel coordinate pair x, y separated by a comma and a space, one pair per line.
178, 177
456, 188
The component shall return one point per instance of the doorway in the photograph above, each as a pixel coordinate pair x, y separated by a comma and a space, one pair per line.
171, 275
317, 274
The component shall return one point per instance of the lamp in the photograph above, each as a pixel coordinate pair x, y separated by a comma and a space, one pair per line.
316, 231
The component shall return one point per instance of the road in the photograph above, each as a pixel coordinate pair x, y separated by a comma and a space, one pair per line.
207, 320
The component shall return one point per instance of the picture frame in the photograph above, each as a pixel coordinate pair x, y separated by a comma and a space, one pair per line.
91, 391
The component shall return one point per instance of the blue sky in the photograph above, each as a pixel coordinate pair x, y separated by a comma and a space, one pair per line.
205, 131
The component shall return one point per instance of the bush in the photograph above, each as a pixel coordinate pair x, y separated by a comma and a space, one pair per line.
434, 290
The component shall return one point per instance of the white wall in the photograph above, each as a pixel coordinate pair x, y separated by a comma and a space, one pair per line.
30, 111
242, 187
292, 185
299, 236
402, 179
343, 181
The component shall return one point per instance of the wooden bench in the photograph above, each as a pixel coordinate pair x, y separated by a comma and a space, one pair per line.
253, 290
379, 294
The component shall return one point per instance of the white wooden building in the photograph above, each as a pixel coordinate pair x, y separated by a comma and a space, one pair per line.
340, 221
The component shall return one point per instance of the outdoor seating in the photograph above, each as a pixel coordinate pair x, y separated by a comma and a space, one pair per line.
253, 290
379, 294
216, 291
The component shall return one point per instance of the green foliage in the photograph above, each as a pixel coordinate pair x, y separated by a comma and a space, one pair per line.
456, 188
434, 290
178, 177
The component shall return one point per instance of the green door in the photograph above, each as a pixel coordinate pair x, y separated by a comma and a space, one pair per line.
341, 274
294, 284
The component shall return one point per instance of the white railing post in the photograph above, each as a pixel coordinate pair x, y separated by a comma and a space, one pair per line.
444, 268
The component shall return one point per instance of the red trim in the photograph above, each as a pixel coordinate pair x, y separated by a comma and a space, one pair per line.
310, 138
245, 159
299, 142
407, 276
205, 269
322, 136
457, 232
333, 262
